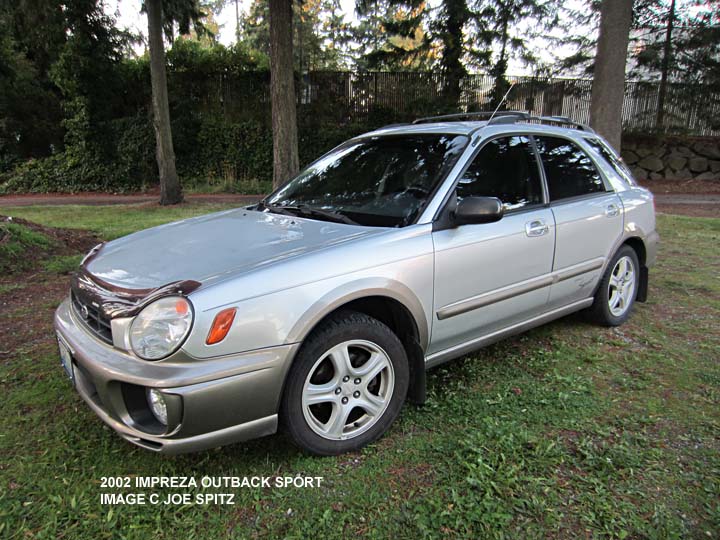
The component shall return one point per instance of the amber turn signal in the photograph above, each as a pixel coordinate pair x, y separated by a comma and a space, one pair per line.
221, 326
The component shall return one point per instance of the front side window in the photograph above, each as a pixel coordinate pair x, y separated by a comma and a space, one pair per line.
505, 168
381, 181
569, 170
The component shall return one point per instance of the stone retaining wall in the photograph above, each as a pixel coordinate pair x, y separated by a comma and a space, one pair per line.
672, 158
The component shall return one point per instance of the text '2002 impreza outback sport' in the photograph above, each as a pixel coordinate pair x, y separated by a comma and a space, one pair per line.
321, 307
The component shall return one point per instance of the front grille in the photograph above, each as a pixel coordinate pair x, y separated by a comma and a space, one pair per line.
93, 319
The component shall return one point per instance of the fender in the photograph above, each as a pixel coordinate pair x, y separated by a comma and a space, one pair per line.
381, 287
355, 290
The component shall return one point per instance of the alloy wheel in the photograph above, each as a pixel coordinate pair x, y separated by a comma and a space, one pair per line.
621, 287
348, 390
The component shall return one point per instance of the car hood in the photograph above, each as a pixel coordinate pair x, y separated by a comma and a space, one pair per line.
209, 248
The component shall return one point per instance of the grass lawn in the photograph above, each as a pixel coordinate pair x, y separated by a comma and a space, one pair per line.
569, 431
110, 221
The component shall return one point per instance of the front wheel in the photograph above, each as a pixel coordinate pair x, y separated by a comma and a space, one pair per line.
346, 386
618, 288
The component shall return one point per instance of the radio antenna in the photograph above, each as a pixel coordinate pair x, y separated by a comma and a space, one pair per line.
501, 102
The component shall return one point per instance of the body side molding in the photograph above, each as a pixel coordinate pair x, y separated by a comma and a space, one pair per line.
516, 289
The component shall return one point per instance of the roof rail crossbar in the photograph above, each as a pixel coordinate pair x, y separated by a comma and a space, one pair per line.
557, 117
399, 124
457, 116
562, 120
508, 117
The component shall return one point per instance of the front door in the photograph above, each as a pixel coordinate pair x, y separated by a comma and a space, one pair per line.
489, 276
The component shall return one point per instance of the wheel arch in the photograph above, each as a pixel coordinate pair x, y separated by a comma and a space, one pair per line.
638, 246
395, 306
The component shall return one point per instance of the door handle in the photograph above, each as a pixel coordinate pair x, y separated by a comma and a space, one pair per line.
536, 227
612, 210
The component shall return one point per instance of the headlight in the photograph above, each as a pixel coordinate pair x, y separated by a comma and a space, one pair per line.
160, 328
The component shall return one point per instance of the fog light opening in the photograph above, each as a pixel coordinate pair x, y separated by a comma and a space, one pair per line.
156, 401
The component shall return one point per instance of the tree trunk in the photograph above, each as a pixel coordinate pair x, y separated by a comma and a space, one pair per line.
282, 93
608, 87
499, 70
456, 13
667, 51
170, 190
237, 21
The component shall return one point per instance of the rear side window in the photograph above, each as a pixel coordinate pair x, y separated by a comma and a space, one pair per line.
569, 170
612, 159
505, 168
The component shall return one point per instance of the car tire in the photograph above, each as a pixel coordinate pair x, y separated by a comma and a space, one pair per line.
618, 288
334, 401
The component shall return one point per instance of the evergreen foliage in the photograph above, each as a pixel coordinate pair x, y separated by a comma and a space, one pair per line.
75, 105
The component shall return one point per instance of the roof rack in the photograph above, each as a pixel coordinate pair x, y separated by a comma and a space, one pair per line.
561, 121
469, 115
508, 117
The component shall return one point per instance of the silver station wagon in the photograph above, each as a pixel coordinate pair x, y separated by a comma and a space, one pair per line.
319, 309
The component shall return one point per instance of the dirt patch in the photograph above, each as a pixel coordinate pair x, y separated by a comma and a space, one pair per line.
682, 186
412, 477
28, 298
695, 198
65, 241
692, 210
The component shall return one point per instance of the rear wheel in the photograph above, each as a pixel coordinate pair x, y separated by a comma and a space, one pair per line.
346, 386
618, 288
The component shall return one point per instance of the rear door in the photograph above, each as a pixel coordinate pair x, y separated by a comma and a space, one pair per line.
588, 218
488, 276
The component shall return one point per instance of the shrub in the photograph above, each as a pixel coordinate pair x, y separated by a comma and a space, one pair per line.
212, 154
60, 173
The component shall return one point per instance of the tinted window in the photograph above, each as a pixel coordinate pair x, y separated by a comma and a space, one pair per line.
613, 160
505, 168
380, 181
568, 169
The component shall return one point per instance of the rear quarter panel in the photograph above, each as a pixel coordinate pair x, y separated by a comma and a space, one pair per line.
639, 212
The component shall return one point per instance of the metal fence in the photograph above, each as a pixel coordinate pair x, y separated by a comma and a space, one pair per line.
385, 97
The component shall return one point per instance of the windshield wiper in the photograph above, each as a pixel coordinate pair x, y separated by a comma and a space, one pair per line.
328, 214
304, 210
279, 209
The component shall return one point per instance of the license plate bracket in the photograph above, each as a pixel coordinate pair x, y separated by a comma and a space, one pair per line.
66, 360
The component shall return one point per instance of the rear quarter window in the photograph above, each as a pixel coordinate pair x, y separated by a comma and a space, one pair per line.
612, 159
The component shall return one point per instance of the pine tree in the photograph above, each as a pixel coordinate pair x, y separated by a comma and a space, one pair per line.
320, 35
455, 34
337, 35
503, 29
449, 29
391, 35
678, 42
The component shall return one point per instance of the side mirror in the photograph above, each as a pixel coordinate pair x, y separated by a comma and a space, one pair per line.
478, 210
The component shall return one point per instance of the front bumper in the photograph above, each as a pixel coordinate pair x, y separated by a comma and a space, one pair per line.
214, 401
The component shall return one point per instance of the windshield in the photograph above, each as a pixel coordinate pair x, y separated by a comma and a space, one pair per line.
378, 181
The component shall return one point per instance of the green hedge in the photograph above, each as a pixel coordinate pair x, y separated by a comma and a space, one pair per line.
212, 154
221, 126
